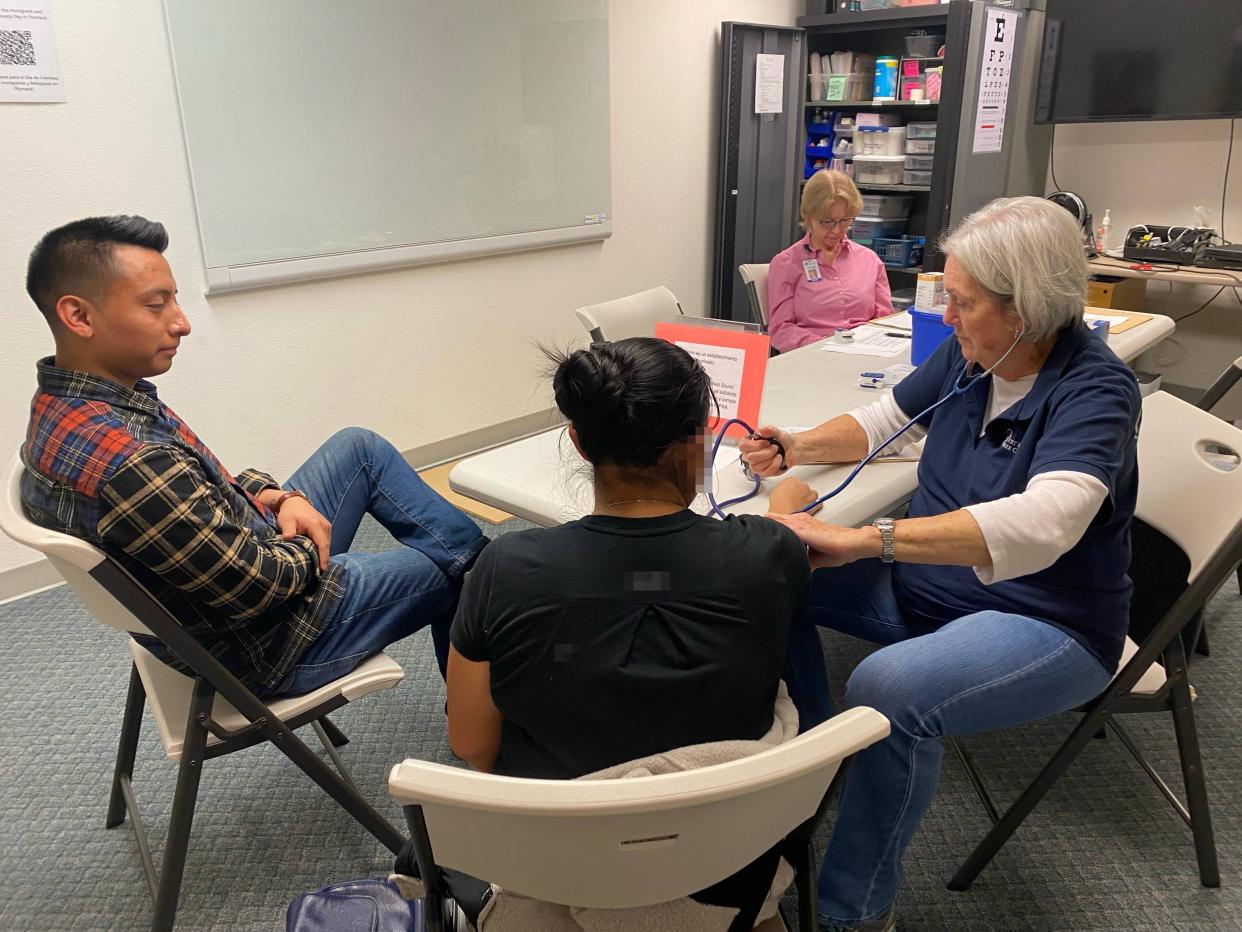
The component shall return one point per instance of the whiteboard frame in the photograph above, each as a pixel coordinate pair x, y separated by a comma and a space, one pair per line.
224, 279
227, 278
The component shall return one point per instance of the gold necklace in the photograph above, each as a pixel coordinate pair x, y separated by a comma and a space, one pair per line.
634, 501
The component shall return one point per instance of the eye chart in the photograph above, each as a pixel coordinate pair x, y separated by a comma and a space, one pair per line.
994, 73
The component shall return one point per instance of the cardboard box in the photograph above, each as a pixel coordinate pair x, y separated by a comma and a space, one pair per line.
1126, 294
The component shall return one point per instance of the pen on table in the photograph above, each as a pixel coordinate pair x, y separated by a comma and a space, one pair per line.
891, 333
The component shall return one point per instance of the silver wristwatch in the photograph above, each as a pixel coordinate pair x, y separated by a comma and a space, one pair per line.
885, 526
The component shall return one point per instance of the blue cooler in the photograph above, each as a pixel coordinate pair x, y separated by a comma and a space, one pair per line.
928, 330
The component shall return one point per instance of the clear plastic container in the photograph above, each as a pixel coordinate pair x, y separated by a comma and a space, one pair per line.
919, 163
878, 119
880, 140
855, 86
879, 169
844, 125
887, 206
843, 147
920, 146
816, 86
911, 177
871, 227
920, 130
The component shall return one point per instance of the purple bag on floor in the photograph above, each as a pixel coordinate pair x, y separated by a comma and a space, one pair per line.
371, 905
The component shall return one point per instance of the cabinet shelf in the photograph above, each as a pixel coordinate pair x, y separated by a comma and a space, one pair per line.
872, 104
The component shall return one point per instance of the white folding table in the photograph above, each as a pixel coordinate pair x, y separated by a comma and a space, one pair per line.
541, 478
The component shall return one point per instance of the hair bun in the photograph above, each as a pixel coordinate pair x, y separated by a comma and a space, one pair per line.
589, 385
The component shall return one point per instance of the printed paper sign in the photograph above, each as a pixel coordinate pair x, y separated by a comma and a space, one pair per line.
29, 66
994, 74
724, 367
735, 360
769, 83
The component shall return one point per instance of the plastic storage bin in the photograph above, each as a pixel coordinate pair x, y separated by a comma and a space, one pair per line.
855, 86
878, 119
912, 177
872, 228
920, 130
899, 252
919, 163
887, 206
879, 169
880, 140
928, 331
844, 124
920, 146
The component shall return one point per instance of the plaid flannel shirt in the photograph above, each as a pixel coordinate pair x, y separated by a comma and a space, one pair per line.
118, 468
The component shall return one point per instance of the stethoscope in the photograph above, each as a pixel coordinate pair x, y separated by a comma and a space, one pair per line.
958, 389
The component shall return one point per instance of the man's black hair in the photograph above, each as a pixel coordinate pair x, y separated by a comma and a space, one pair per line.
77, 258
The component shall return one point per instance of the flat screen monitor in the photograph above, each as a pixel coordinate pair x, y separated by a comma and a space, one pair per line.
1140, 60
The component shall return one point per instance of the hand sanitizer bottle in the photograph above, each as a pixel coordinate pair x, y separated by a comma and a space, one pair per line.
1101, 235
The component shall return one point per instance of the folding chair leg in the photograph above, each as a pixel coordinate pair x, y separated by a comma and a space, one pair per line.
1022, 807
338, 787
428, 871
135, 700
975, 779
325, 736
338, 738
186, 795
1192, 766
807, 898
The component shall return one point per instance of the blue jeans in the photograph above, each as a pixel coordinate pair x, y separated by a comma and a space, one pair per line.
981, 672
392, 594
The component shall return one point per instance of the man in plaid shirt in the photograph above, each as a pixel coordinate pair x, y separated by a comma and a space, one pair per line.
259, 574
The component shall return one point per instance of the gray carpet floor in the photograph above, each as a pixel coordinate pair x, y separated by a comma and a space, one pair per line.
1104, 850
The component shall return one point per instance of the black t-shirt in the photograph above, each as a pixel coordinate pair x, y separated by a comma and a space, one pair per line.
613, 638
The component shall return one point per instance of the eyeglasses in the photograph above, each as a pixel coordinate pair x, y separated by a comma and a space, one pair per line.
835, 224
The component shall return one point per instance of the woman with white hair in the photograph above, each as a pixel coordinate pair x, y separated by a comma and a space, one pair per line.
1002, 597
825, 281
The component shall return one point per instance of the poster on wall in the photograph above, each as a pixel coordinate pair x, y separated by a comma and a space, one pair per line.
994, 75
29, 66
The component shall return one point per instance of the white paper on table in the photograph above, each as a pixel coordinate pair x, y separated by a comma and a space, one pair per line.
29, 65
897, 372
869, 342
898, 321
995, 70
1113, 319
769, 83
724, 368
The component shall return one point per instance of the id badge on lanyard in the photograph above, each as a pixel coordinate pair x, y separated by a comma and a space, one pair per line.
810, 268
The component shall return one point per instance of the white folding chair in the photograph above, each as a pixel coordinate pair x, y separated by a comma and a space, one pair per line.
198, 717
634, 315
611, 844
1187, 540
755, 277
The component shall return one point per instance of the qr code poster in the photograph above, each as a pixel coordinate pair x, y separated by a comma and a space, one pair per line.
29, 67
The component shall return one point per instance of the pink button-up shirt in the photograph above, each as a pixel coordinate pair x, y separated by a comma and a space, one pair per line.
851, 290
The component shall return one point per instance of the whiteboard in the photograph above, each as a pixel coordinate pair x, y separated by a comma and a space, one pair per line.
328, 137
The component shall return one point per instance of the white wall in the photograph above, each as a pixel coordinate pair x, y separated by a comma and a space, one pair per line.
1159, 173
420, 354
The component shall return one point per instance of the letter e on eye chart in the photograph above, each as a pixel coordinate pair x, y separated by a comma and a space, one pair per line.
724, 367
994, 74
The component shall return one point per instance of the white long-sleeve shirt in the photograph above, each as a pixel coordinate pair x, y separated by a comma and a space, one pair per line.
1026, 532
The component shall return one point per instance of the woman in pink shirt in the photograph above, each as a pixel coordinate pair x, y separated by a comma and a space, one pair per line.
824, 281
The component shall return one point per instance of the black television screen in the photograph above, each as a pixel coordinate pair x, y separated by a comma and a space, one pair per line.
1140, 60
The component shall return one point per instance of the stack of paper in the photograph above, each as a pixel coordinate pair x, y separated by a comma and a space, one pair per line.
870, 342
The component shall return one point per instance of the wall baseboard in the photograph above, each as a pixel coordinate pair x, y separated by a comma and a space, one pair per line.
21, 581
27, 579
